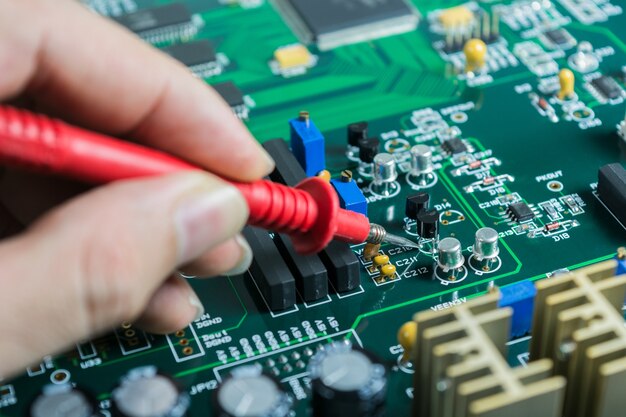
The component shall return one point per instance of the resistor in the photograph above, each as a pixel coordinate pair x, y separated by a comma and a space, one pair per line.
552, 226
489, 181
543, 104
475, 164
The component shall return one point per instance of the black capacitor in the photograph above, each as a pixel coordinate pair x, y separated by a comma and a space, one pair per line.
428, 224
63, 401
347, 381
249, 392
356, 132
145, 391
368, 149
416, 203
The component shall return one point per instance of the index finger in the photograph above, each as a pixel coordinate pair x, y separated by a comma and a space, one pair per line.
89, 71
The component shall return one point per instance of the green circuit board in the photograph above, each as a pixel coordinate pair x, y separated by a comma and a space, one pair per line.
410, 90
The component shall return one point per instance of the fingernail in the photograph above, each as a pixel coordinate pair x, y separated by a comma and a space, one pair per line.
246, 257
268, 162
197, 304
208, 219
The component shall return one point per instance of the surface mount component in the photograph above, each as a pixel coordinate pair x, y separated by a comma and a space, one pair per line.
193, 53
520, 212
578, 323
269, 271
248, 392
231, 94
146, 392
607, 87
160, 23
559, 38
612, 189
454, 146
460, 369
331, 23
347, 381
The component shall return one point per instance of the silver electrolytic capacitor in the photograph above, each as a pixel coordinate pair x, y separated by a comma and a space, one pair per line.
385, 173
486, 244
421, 173
421, 160
450, 254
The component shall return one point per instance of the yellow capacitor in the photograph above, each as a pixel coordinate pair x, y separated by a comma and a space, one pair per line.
455, 17
292, 56
325, 175
407, 337
388, 271
475, 51
566, 81
381, 260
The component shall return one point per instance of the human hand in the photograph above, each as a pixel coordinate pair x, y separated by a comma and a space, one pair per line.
109, 255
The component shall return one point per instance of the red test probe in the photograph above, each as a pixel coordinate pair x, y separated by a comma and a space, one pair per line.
309, 213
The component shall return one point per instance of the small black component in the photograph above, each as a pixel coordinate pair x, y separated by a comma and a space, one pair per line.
608, 87
159, 17
454, 146
230, 93
192, 53
288, 171
520, 212
340, 375
66, 401
356, 132
250, 392
428, 224
558, 36
368, 149
269, 270
612, 189
343, 266
415, 204
310, 272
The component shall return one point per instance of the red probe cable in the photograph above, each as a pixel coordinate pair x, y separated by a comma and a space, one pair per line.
309, 213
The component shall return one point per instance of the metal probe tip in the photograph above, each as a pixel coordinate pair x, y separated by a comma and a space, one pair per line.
378, 235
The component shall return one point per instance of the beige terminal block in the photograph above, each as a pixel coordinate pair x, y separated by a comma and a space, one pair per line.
578, 323
461, 370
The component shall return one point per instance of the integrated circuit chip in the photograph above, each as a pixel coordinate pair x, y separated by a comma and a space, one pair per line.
454, 146
192, 53
160, 23
233, 96
331, 23
559, 38
520, 212
608, 87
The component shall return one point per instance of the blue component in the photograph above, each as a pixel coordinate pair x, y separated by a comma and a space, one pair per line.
307, 145
621, 266
350, 196
521, 298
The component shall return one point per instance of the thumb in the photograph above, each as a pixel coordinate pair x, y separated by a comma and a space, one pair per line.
98, 260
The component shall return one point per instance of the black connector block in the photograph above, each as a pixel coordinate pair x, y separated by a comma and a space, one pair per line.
343, 266
288, 170
612, 189
309, 271
269, 270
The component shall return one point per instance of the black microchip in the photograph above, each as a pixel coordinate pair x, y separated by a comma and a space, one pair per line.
454, 146
329, 16
520, 212
607, 86
230, 93
192, 53
557, 36
155, 18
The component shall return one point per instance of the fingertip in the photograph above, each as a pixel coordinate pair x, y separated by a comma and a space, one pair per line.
230, 258
172, 307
